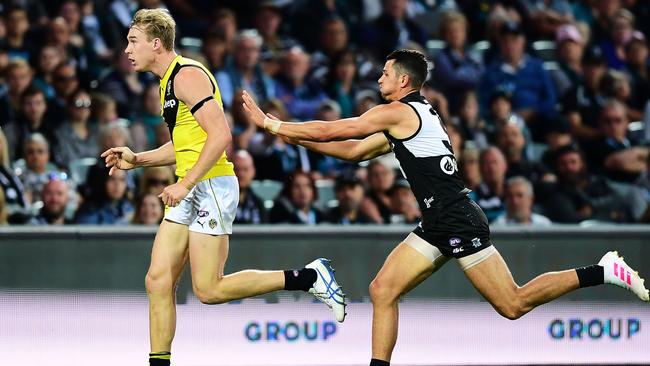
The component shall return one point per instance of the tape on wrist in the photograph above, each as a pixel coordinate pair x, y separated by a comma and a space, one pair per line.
272, 125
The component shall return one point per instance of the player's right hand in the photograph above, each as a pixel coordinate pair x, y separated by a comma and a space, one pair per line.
119, 158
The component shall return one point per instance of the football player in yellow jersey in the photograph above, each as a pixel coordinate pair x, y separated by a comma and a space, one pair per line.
201, 206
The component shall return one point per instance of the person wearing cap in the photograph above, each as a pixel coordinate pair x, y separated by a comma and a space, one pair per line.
581, 104
570, 47
533, 94
349, 194
638, 69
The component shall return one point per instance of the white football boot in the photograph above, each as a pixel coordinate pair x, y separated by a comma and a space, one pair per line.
618, 273
326, 289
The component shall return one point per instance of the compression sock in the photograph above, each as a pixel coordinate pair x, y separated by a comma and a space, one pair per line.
160, 358
376, 362
591, 275
299, 279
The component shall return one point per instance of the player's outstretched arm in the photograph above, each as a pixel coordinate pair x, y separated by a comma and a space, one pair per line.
123, 158
350, 150
380, 118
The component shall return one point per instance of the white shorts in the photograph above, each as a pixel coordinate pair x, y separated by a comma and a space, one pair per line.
209, 208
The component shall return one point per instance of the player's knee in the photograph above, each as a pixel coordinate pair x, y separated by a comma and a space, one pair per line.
381, 292
157, 284
208, 294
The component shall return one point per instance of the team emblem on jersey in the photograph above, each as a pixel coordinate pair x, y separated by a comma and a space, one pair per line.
212, 223
454, 241
169, 104
448, 165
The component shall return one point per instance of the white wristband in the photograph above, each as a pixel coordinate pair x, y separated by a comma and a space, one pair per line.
272, 125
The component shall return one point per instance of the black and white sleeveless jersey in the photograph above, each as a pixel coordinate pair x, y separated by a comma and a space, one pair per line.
427, 159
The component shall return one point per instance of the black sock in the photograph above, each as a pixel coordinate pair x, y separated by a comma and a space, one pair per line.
591, 275
299, 279
160, 358
376, 362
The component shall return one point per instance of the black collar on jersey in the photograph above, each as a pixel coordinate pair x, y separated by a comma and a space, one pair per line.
414, 96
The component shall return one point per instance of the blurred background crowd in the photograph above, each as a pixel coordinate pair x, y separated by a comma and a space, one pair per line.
546, 103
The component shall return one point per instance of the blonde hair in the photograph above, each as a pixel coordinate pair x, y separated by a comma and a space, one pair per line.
156, 23
4, 150
451, 17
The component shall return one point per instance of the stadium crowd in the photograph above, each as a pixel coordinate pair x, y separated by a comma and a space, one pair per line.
546, 103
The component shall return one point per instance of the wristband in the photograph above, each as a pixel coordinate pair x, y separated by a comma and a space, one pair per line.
272, 125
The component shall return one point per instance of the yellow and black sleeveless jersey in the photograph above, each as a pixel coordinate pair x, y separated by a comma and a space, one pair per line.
187, 135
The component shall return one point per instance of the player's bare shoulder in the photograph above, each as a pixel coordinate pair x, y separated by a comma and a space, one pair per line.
398, 118
192, 82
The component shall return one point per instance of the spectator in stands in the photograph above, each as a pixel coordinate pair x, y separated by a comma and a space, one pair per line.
215, 49
224, 22
308, 15
65, 83
469, 121
20, 47
533, 95
18, 76
469, 168
490, 194
108, 205
376, 205
149, 210
342, 81
639, 195
437, 100
614, 154
403, 205
268, 20
143, 129
49, 57
245, 71
547, 16
78, 138
123, 84
104, 109
578, 195
32, 118
511, 142
60, 35
392, 30
154, 179
615, 85
365, 100
55, 199
14, 196
620, 31
296, 204
300, 94
581, 104
638, 69
37, 166
250, 209
501, 114
570, 47
603, 12
557, 136
519, 205
349, 194
334, 39
456, 72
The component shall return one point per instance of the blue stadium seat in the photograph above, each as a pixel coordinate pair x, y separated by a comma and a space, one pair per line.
267, 190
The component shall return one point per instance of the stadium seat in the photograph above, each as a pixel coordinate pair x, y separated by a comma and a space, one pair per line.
545, 50
434, 46
79, 169
326, 194
267, 190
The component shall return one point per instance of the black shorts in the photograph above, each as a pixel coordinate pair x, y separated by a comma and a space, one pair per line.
457, 230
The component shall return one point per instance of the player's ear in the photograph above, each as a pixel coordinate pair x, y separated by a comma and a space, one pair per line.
157, 43
405, 80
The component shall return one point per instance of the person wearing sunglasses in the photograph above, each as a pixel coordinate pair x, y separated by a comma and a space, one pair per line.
79, 135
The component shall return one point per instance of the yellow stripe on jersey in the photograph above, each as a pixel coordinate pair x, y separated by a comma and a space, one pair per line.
187, 135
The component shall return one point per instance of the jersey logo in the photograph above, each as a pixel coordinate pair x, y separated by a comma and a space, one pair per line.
448, 165
169, 104
428, 201
169, 87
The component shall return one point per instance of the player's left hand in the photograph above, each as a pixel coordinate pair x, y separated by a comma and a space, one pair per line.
173, 194
253, 112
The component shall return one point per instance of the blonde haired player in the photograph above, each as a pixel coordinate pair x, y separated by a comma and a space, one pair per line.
201, 205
